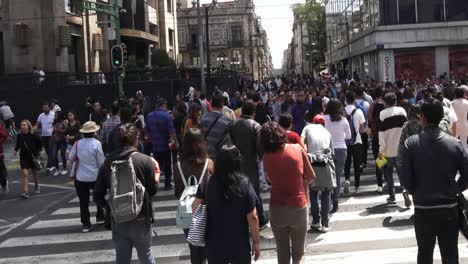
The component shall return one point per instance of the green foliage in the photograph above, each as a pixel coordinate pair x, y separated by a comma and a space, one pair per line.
313, 14
160, 58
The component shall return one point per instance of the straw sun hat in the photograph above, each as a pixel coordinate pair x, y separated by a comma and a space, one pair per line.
89, 127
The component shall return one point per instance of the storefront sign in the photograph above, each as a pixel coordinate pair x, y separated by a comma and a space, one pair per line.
388, 75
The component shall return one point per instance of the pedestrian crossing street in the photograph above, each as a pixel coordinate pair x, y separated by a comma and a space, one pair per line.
364, 230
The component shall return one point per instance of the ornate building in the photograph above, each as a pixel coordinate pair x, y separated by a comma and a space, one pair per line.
237, 40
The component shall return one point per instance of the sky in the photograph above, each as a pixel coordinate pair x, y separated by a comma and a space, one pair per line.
277, 20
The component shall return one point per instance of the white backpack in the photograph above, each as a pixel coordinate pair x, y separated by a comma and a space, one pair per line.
184, 209
126, 191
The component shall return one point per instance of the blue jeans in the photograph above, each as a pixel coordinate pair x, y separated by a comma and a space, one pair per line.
388, 174
339, 158
325, 206
62, 147
135, 233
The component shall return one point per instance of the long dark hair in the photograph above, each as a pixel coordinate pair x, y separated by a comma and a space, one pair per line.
272, 137
316, 108
194, 147
335, 110
227, 172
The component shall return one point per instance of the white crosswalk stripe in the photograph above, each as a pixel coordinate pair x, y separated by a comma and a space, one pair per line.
365, 230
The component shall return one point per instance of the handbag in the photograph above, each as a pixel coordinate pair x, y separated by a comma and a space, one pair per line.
463, 214
37, 163
74, 168
197, 231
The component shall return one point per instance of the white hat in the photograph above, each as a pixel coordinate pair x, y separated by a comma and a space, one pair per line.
89, 127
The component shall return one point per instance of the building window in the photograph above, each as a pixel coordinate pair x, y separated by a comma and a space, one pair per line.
388, 12
195, 61
73, 6
194, 40
430, 11
457, 10
169, 6
154, 29
415, 65
236, 36
407, 11
171, 37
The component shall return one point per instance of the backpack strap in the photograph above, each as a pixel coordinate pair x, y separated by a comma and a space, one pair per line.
181, 174
203, 171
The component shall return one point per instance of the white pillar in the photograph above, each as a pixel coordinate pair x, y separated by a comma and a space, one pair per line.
442, 60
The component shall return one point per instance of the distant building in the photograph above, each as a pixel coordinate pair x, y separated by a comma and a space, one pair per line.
237, 40
398, 39
58, 36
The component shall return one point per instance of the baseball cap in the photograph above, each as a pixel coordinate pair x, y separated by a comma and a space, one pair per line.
319, 119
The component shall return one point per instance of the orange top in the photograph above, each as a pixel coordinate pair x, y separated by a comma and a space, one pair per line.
189, 124
285, 170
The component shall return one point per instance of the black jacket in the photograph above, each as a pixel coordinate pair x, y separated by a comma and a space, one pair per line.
431, 161
144, 169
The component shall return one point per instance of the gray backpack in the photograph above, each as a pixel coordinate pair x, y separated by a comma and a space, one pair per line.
126, 191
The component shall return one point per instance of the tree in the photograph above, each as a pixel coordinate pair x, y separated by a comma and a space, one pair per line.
160, 58
314, 16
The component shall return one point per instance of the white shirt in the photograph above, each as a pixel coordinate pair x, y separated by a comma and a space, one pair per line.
90, 159
340, 131
47, 123
6, 113
358, 121
460, 106
317, 138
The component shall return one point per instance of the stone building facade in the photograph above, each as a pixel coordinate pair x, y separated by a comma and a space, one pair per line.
237, 40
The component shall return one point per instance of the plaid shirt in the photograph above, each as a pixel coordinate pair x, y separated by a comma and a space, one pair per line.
160, 126
110, 124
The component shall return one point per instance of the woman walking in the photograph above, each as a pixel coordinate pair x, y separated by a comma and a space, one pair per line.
230, 200
193, 120
72, 131
290, 173
29, 145
59, 143
89, 156
338, 126
193, 161
320, 150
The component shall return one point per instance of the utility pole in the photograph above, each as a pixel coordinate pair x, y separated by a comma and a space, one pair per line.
200, 46
331, 58
207, 37
302, 50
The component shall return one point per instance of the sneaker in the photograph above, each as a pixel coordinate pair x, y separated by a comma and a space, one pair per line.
325, 229
57, 173
86, 228
391, 200
346, 187
99, 220
64, 172
38, 191
51, 169
356, 190
380, 190
408, 202
25, 195
265, 222
316, 227
334, 208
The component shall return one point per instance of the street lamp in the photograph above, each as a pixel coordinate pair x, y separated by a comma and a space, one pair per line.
222, 58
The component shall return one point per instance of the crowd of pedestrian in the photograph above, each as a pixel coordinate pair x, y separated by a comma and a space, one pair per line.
295, 138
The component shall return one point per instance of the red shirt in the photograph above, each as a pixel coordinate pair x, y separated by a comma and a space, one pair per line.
285, 170
294, 138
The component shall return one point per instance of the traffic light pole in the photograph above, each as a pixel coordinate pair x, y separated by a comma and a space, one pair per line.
114, 11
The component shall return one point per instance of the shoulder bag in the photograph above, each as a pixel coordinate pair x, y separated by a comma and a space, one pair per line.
74, 168
197, 231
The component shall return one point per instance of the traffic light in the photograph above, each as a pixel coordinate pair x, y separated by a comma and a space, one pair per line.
117, 57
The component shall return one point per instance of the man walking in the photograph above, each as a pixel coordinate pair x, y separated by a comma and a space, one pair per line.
45, 121
431, 161
136, 232
460, 106
393, 118
356, 122
244, 135
160, 125
110, 124
215, 127
298, 111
